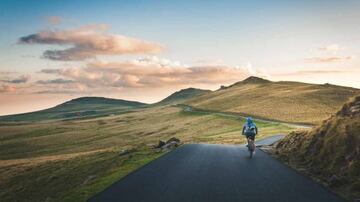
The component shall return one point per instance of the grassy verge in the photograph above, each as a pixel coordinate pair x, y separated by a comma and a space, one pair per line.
127, 165
74, 179
330, 152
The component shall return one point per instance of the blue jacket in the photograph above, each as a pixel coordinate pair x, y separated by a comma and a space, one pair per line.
249, 124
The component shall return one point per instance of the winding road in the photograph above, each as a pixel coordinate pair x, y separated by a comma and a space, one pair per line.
207, 173
188, 108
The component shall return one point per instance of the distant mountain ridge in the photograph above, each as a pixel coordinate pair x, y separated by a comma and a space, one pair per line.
78, 108
182, 95
85, 107
283, 100
286, 101
253, 80
102, 100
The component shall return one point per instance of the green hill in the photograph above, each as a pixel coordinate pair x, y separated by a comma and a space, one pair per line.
77, 108
283, 100
330, 152
182, 95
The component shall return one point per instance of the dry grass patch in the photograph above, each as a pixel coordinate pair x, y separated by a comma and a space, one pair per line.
285, 101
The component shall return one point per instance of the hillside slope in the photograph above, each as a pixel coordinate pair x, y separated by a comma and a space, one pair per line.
182, 95
77, 108
75, 159
331, 151
284, 101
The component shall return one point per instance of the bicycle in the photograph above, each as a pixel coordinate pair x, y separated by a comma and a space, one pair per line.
251, 147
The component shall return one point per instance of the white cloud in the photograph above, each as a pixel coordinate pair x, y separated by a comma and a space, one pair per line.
329, 59
152, 72
88, 42
331, 48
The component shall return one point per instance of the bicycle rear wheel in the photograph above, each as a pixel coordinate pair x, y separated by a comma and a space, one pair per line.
251, 147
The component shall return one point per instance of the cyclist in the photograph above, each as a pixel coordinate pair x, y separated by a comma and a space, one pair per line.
249, 130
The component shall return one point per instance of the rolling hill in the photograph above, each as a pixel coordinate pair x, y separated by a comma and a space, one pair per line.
77, 158
78, 108
182, 95
284, 100
330, 152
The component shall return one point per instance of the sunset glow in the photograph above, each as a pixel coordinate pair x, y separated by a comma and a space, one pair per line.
51, 52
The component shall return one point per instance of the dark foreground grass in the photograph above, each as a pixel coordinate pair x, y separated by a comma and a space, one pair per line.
75, 179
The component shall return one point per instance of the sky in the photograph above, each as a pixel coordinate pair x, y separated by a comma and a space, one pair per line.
53, 51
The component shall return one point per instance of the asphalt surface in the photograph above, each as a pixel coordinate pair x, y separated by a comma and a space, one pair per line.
269, 140
205, 172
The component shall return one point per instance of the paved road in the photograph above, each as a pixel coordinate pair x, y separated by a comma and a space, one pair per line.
205, 172
269, 140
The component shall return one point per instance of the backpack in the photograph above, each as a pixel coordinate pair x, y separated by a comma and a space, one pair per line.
250, 130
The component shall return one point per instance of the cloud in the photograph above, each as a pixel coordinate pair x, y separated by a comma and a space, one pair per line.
311, 72
88, 42
54, 20
60, 86
20, 79
7, 73
256, 72
150, 73
7, 88
331, 48
329, 59
56, 91
49, 71
54, 81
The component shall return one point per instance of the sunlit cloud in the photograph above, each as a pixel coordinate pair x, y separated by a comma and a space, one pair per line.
7, 88
331, 55
59, 86
17, 80
54, 81
311, 72
331, 48
149, 73
88, 42
329, 59
256, 71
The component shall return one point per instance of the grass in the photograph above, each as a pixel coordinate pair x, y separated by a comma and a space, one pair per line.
182, 95
330, 152
72, 179
232, 133
113, 173
75, 159
284, 101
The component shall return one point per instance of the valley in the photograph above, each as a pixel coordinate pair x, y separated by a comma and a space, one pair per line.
81, 154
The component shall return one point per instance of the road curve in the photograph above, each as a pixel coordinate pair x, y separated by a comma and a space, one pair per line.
206, 172
188, 108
